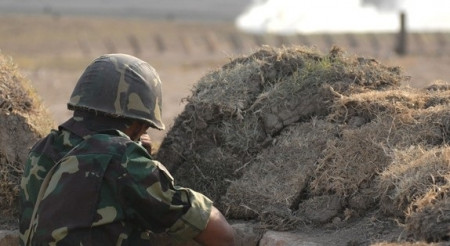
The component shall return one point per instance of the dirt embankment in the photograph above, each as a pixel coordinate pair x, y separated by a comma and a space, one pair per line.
292, 137
23, 120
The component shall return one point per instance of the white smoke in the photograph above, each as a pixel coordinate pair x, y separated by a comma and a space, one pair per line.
331, 16
385, 5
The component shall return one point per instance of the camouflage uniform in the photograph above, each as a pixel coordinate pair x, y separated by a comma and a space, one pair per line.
104, 189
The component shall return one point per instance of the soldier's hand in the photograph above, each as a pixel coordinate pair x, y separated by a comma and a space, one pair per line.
146, 142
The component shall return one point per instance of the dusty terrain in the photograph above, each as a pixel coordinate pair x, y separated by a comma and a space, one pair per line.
52, 52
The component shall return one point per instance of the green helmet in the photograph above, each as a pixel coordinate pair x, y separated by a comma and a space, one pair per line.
121, 86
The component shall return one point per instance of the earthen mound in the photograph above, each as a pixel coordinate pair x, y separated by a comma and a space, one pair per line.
23, 121
291, 136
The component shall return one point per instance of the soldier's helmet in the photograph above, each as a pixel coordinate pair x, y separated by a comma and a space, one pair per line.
120, 85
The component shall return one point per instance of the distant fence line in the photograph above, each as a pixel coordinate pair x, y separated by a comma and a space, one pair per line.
370, 44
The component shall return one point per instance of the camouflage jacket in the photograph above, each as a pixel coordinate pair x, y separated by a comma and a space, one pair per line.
105, 190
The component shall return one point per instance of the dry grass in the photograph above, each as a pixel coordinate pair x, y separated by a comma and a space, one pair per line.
414, 173
23, 120
291, 136
279, 177
242, 107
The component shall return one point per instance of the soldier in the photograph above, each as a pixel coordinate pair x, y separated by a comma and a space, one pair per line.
92, 182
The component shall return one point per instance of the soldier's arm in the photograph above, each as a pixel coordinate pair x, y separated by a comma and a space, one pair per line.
182, 213
217, 232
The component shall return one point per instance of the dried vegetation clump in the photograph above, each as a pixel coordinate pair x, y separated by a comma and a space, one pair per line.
291, 136
23, 121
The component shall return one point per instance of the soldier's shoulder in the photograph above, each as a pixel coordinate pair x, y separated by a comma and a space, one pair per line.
108, 142
55, 141
112, 137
